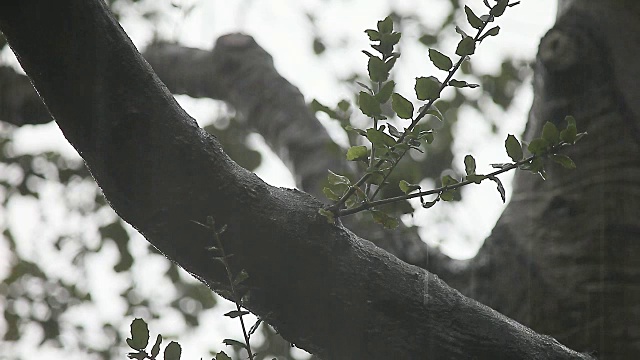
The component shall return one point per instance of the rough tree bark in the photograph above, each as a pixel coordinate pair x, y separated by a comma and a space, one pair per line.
548, 263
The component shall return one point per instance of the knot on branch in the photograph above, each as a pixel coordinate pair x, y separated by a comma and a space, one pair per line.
559, 51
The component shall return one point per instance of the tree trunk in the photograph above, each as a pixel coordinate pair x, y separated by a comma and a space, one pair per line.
570, 243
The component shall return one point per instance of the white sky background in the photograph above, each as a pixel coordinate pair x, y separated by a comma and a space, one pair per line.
281, 28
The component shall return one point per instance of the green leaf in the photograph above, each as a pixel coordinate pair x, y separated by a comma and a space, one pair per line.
355, 130
373, 34
469, 165
335, 179
235, 313
461, 32
406, 188
402, 106
385, 26
535, 166
499, 8
140, 355
440, 60
234, 343
393, 131
427, 88
356, 153
378, 70
384, 219
242, 276
435, 112
570, 120
472, 18
172, 351
155, 350
538, 146
344, 105
500, 166
448, 180
385, 92
139, 334
317, 106
563, 160
365, 86
222, 356
369, 105
500, 187
491, 32
318, 46
387, 41
328, 215
570, 133
379, 138
448, 195
514, 149
550, 133
475, 178
330, 194
466, 46
462, 84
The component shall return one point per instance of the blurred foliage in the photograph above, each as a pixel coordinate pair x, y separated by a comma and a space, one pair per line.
33, 296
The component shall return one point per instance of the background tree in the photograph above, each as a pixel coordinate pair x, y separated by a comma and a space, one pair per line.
572, 284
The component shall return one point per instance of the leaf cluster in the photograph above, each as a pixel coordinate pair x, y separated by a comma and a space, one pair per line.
382, 146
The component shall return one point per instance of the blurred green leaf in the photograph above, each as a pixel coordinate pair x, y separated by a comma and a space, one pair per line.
356, 153
384, 219
550, 133
335, 179
538, 146
563, 160
406, 188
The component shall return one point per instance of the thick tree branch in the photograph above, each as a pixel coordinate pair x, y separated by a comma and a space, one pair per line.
322, 287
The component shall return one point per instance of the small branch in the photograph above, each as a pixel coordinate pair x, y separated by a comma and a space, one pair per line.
336, 207
441, 189
236, 298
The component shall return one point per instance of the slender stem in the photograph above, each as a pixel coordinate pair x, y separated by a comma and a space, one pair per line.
441, 189
387, 175
236, 298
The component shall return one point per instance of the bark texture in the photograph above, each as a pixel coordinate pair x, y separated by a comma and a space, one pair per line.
562, 259
570, 243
